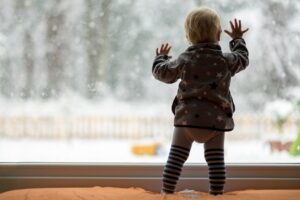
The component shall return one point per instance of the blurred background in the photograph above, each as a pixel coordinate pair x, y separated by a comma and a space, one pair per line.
76, 82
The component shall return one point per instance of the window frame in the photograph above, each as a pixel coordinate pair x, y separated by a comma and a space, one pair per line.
148, 176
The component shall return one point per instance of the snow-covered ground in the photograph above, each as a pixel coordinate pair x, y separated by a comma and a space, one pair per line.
21, 140
80, 150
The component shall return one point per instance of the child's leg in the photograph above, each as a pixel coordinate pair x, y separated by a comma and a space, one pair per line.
180, 149
214, 155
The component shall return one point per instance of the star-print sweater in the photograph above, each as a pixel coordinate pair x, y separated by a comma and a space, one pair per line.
203, 98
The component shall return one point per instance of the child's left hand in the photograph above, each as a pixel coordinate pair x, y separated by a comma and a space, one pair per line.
164, 50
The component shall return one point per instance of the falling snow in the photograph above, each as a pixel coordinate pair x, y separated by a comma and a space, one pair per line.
93, 58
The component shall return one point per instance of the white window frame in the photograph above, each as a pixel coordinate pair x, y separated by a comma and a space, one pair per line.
147, 176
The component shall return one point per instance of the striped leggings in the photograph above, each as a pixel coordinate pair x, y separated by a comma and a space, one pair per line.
183, 139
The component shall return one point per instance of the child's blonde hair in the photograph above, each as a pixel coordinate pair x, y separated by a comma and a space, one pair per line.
202, 24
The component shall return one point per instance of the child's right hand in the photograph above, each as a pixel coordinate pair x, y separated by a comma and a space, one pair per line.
236, 28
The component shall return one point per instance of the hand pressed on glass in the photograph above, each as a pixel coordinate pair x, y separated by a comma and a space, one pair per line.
164, 50
236, 29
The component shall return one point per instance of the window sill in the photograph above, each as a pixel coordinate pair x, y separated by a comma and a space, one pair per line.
148, 176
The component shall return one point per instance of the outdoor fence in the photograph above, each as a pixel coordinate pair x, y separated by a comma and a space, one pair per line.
125, 127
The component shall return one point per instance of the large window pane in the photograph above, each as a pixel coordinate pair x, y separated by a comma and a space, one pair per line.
76, 82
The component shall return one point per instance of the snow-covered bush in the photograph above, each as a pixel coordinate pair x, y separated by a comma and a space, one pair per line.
279, 111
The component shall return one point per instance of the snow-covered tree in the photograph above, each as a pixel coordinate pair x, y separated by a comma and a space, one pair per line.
97, 49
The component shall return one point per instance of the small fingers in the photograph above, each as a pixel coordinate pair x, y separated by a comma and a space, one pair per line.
231, 24
244, 31
229, 33
166, 47
162, 47
168, 50
240, 25
235, 23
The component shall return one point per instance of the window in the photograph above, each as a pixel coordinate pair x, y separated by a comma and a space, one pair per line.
76, 82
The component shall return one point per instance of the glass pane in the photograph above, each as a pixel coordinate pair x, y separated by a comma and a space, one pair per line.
76, 82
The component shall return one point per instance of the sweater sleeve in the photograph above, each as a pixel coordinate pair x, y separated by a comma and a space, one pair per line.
238, 58
165, 70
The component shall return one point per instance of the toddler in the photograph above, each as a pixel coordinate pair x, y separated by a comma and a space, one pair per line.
203, 106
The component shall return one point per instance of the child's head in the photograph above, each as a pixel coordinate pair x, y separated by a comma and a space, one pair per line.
202, 25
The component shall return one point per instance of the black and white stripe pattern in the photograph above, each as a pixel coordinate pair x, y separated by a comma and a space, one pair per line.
216, 169
177, 156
